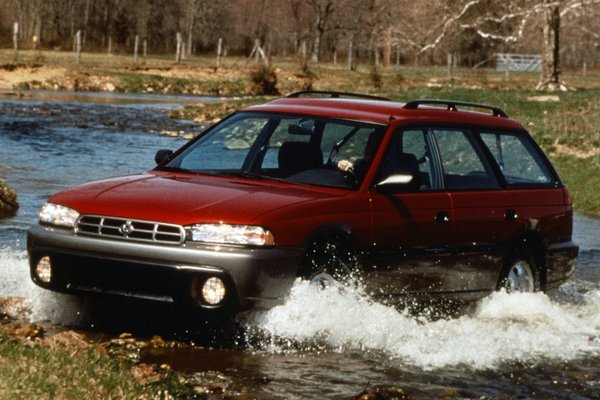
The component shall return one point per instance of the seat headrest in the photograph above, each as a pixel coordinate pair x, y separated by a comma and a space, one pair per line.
294, 157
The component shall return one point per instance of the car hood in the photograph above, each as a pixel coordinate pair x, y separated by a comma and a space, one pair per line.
184, 199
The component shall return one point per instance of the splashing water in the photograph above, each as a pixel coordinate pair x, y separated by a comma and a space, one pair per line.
503, 328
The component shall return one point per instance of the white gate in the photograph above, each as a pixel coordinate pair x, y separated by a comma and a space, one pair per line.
518, 62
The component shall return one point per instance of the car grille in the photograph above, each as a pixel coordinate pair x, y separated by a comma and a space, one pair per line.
130, 229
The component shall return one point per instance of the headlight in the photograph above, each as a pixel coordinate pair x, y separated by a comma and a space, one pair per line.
55, 214
232, 234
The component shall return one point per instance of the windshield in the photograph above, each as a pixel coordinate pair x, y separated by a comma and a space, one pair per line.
292, 148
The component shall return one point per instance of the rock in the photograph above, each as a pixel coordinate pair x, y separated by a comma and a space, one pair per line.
70, 341
23, 330
8, 201
146, 374
384, 392
14, 307
237, 144
168, 133
544, 99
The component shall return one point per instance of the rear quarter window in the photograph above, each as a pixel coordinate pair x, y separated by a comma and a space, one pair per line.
519, 160
464, 164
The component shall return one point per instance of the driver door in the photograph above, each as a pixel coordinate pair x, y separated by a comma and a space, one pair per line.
412, 227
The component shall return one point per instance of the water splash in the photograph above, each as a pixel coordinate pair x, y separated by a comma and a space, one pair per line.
503, 328
37, 304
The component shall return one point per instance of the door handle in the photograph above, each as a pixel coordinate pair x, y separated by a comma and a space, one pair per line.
442, 217
511, 214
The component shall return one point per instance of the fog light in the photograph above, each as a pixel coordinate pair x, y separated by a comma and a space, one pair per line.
43, 270
213, 291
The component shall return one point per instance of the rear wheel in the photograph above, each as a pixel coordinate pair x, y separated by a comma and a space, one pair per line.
329, 259
521, 274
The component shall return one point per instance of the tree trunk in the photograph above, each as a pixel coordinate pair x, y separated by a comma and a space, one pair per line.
86, 21
550, 73
191, 25
351, 54
387, 48
322, 14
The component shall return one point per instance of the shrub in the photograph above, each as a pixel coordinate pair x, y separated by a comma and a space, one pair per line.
264, 81
376, 77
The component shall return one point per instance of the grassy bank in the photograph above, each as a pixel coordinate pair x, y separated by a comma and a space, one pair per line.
33, 371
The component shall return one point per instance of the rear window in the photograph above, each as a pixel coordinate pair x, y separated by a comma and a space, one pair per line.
519, 159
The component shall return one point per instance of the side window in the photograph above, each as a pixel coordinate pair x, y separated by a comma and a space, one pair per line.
463, 165
408, 153
518, 159
349, 142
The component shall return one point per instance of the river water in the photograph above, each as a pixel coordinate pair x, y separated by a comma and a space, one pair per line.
320, 344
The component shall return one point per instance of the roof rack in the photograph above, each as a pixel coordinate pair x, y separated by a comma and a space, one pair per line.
451, 105
334, 94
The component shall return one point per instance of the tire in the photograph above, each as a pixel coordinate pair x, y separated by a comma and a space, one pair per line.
521, 274
330, 259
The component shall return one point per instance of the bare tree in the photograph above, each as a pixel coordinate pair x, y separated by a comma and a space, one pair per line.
322, 10
470, 31
506, 23
550, 73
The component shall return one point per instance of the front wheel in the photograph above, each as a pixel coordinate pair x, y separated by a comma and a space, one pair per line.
329, 259
520, 275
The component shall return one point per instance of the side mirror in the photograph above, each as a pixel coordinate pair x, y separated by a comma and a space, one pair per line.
395, 183
162, 155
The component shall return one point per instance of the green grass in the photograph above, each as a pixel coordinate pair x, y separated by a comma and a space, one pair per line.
582, 177
37, 372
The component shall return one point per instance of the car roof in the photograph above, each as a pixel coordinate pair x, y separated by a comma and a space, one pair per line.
379, 110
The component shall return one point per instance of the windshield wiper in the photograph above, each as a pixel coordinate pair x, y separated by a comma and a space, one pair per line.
252, 175
173, 169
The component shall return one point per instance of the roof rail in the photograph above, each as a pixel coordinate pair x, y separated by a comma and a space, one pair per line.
334, 94
451, 105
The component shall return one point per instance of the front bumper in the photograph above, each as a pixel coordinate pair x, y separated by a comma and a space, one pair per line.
256, 278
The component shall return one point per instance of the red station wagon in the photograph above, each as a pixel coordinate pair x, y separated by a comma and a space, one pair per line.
431, 198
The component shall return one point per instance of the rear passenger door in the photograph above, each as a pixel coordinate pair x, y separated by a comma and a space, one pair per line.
481, 215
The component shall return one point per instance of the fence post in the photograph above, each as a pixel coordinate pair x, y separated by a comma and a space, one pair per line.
178, 51
78, 46
16, 41
219, 51
135, 49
